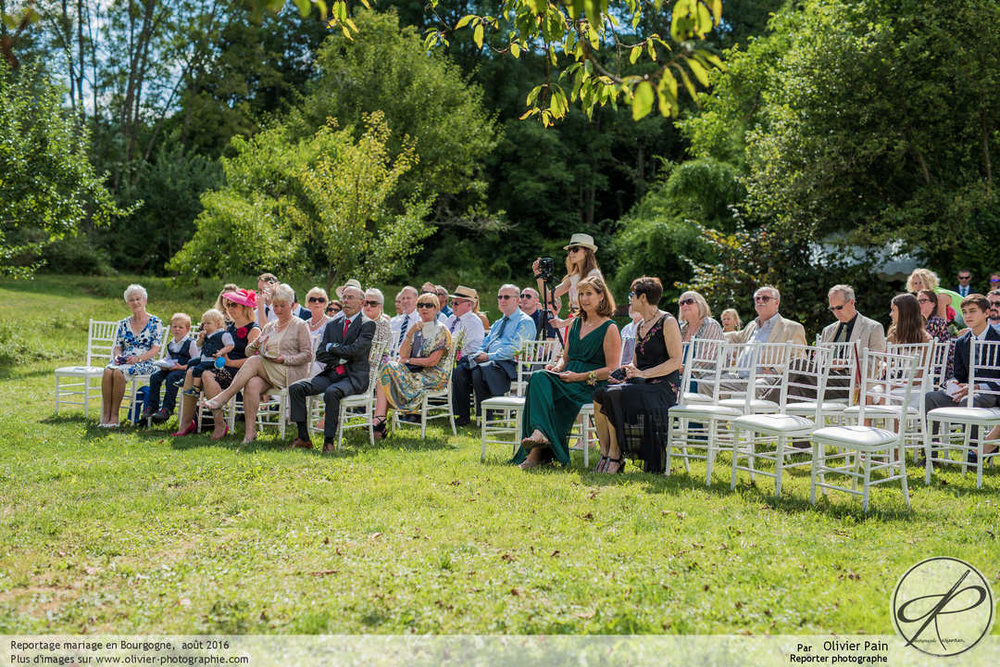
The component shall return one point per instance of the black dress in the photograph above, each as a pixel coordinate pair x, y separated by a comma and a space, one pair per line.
637, 408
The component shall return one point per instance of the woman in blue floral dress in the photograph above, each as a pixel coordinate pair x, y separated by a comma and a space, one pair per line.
422, 365
137, 344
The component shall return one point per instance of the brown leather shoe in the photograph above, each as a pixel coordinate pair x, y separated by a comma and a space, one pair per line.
299, 443
330, 448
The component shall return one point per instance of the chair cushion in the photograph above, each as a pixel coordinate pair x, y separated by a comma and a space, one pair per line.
80, 370
757, 404
695, 397
809, 407
499, 402
778, 424
707, 410
863, 437
965, 415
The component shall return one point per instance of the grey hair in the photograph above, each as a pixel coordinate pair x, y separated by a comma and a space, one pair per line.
772, 289
283, 293
376, 293
703, 308
533, 291
410, 289
133, 288
846, 290
509, 286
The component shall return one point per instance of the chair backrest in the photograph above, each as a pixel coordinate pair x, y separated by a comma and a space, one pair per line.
984, 369
888, 379
533, 357
703, 361
808, 374
755, 370
845, 359
101, 338
939, 365
379, 345
925, 354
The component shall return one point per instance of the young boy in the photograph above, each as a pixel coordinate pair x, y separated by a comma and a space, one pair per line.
215, 343
180, 350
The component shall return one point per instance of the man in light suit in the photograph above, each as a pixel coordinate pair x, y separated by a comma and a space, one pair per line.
769, 326
344, 349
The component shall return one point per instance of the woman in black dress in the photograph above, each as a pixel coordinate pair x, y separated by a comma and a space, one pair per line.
631, 417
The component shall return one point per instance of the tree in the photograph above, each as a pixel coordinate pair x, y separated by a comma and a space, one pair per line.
48, 187
326, 203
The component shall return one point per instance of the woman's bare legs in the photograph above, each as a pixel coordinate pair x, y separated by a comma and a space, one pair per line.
212, 389
381, 402
252, 392
250, 369
185, 413
112, 392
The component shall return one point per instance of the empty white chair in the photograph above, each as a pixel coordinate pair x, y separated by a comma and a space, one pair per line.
887, 380
74, 383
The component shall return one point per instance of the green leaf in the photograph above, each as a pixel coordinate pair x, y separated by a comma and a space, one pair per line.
687, 82
477, 35
698, 70
515, 50
717, 11
642, 103
634, 54
651, 49
464, 21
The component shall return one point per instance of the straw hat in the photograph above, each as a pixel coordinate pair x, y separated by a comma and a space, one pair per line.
350, 283
463, 292
581, 241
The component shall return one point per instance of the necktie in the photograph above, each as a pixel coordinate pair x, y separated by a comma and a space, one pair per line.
402, 329
454, 325
347, 325
503, 325
842, 334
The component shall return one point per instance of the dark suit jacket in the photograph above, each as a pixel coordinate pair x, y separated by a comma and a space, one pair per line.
353, 348
961, 367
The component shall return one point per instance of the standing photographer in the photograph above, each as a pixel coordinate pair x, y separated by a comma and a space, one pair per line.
581, 262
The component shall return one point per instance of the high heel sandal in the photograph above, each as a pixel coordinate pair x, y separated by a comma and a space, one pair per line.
602, 463
619, 461
379, 427
210, 403
225, 432
188, 430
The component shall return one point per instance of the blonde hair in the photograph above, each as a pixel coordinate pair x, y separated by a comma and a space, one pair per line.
283, 293
703, 309
184, 318
430, 299
927, 277
317, 291
595, 284
736, 316
219, 305
210, 315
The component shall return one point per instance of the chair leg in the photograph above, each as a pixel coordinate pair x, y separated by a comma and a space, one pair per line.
710, 451
423, 418
814, 471
736, 457
670, 444
779, 465
902, 473
866, 483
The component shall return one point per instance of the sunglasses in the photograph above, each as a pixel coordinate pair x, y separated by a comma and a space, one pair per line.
526, 296
762, 298
838, 308
924, 301
317, 299
504, 297
372, 303
686, 302
332, 309
426, 305
574, 249
965, 277
995, 280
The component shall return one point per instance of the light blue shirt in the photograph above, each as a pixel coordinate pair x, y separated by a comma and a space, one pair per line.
519, 328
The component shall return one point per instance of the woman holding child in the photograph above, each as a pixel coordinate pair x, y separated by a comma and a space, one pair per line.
281, 355
137, 344
240, 308
554, 397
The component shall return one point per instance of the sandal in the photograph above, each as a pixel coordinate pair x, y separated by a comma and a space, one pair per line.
602, 463
210, 403
379, 427
621, 466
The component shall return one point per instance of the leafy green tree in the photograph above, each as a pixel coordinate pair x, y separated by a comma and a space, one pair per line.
48, 187
324, 204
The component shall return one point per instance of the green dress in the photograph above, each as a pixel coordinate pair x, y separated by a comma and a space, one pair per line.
551, 405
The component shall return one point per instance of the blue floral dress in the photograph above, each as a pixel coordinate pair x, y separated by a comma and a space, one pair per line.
403, 387
131, 344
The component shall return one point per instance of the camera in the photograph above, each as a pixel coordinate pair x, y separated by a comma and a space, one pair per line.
546, 268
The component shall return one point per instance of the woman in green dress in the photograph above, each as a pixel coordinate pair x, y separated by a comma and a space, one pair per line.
555, 395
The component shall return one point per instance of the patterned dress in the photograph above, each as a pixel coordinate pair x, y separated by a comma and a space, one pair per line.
131, 344
403, 387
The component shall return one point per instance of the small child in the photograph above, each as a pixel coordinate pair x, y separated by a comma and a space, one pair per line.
180, 350
215, 342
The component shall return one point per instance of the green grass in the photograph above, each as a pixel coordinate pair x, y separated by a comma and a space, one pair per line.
134, 531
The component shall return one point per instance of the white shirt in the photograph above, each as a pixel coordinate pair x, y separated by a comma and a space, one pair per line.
396, 324
469, 326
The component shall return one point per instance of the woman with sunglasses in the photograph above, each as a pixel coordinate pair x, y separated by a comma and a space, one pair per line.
421, 367
581, 262
949, 303
317, 301
631, 415
372, 308
696, 321
555, 395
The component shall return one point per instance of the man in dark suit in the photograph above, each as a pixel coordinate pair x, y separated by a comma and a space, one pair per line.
974, 310
344, 349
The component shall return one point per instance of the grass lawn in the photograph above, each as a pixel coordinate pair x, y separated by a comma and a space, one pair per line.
134, 531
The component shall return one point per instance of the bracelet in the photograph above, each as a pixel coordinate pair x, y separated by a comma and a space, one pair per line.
592, 378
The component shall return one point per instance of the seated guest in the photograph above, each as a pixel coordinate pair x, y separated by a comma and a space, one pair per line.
531, 305
851, 326
696, 321
769, 326
482, 316
442, 295
465, 328
373, 310
907, 326
299, 310
935, 325
489, 371
649, 389
343, 350
730, 320
421, 367
554, 396
282, 355
266, 282
214, 343
318, 303
137, 344
431, 288
180, 350
949, 303
628, 334
974, 309
994, 316
240, 308
407, 316
229, 287
333, 308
